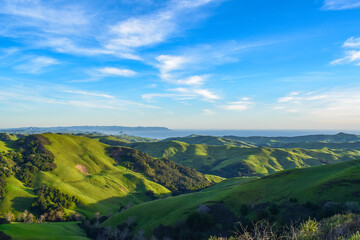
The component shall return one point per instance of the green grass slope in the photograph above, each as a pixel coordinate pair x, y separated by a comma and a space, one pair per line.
17, 198
85, 171
209, 140
45, 231
233, 161
337, 183
3, 147
319, 145
175, 177
172, 209
101, 185
282, 141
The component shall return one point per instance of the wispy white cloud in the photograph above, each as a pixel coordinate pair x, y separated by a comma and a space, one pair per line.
167, 64
27, 95
184, 94
112, 71
152, 28
41, 15
83, 29
66, 45
183, 69
86, 93
352, 43
208, 112
322, 105
203, 93
341, 4
193, 80
243, 104
352, 55
36, 64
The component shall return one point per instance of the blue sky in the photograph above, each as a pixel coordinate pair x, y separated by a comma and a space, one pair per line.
205, 64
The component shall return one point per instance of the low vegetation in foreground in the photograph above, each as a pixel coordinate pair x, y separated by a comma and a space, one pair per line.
339, 227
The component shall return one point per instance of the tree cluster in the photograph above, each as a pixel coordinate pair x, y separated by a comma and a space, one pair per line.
5, 171
175, 177
51, 200
32, 158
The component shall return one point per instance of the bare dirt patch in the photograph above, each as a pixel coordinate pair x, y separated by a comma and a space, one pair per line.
82, 169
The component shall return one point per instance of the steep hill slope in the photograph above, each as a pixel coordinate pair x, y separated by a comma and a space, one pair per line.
297, 193
84, 170
175, 177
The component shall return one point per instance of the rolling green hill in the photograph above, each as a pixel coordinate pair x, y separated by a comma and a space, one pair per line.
294, 192
319, 145
233, 161
283, 141
86, 171
210, 140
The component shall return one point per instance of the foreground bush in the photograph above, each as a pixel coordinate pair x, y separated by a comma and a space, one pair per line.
337, 227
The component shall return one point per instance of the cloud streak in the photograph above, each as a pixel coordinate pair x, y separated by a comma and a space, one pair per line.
82, 30
152, 28
112, 71
322, 105
36, 64
341, 4
243, 104
184, 94
60, 95
352, 55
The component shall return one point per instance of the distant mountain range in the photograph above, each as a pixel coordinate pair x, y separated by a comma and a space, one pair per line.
84, 129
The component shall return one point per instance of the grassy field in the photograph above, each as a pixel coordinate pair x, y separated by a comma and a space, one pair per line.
45, 231
337, 182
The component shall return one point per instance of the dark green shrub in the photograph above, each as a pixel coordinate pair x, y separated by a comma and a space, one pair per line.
51, 200
273, 209
244, 209
200, 222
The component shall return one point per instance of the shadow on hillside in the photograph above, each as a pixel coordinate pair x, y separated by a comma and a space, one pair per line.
116, 205
10, 144
22, 203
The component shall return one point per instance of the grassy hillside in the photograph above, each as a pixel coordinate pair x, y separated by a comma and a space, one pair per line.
175, 177
210, 140
172, 209
233, 161
3, 147
47, 231
115, 139
289, 190
100, 185
281, 141
84, 170
17, 197
319, 145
